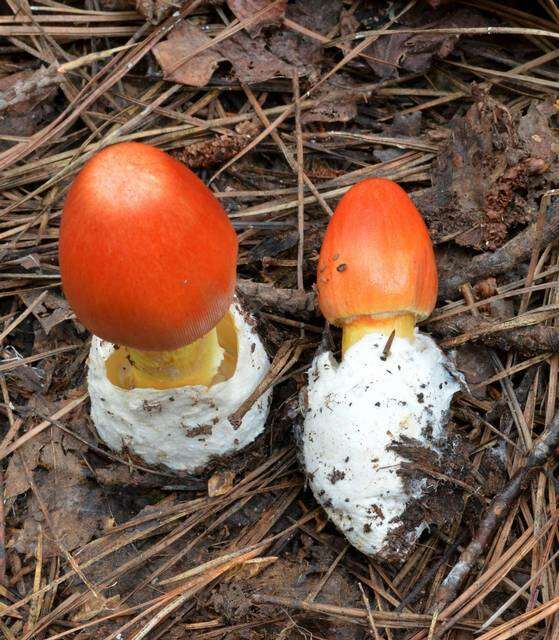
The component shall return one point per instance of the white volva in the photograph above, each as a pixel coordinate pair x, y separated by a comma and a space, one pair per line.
356, 409
181, 428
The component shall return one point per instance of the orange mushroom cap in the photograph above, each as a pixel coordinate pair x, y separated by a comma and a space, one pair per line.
147, 254
377, 258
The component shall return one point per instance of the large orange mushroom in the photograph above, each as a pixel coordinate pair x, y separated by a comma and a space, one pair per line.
148, 261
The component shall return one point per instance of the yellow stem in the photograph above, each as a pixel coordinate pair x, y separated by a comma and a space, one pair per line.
194, 364
403, 324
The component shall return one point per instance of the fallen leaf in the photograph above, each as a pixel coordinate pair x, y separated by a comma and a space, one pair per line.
217, 150
474, 361
77, 507
115, 5
55, 451
403, 125
184, 39
414, 52
77, 514
316, 15
348, 26
334, 105
244, 9
293, 579
52, 311
537, 137
251, 60
251, 568
30, 261
303, 52
17, 481
273, 245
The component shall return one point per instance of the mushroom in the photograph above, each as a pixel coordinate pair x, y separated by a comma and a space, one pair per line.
148, 264
376, 279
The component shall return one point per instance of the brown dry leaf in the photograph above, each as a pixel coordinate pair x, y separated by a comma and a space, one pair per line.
303, 53
17, 481
77, 513
272, 246
55, 451
76, 506
536, 135
490, 174
414, 51
52, 311
251, 60
181, 42
251, 568
220, 483
341, 108
403, 125
316, 15
244, 9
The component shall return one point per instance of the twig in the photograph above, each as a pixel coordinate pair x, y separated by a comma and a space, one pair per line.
527, 341
388, 619
300, 182
285, 358
369, 613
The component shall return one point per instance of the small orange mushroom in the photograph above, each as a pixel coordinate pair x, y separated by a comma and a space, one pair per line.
377, 268
148, 260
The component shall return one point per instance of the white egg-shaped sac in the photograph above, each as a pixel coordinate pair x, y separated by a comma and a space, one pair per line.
185, 428
359, 412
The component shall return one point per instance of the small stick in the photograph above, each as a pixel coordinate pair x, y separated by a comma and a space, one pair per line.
300, 182
369, 613
285, 358
388, 345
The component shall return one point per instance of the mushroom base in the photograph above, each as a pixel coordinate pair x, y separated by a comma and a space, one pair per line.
195, 363
183, 428
370, 419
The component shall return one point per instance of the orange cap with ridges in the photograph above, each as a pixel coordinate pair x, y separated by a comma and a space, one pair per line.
377, 258
147, 254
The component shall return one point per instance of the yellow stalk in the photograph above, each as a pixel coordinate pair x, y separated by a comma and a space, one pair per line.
194, 364
402, 324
